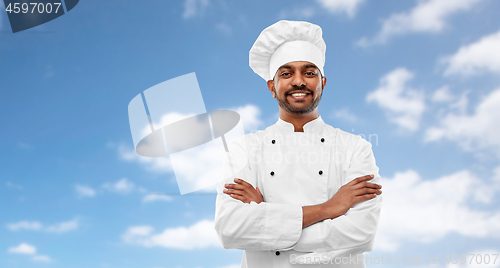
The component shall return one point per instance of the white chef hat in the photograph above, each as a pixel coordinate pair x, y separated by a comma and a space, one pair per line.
284, 42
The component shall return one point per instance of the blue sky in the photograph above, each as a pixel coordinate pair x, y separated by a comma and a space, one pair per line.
420, 77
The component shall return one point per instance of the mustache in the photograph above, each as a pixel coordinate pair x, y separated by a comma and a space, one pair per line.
295, 88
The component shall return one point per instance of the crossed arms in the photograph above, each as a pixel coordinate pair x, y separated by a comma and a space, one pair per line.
259, 225
356, 191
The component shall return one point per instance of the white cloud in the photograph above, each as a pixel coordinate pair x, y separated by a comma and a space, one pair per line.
63, 227
23, 248
442, 94
84, 191
346, 115
250, 116
136, 231
428, 16
496, 174
156, 197
297, 12
154, 164
198, 167
28, 249
194, 167
349, 7
122, 186
193, 8
232, 266
42, 258
461, 104
199, 235
59, 228
427, 210
476, 58
403, 105
336, 7
165, 120
475, 132
25, 225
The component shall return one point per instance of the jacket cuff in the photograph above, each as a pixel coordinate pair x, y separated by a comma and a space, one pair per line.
311, 236
283, 223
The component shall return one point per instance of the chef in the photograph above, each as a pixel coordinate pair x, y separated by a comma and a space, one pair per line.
300, 191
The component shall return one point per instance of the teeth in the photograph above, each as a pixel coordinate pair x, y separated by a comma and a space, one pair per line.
298, 94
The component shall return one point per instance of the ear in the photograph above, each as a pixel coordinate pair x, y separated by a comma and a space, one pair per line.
270, 85
323, 82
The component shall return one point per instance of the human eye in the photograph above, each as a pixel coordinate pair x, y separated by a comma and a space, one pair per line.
285, 74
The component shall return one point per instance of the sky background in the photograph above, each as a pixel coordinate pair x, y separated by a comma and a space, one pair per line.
418, 79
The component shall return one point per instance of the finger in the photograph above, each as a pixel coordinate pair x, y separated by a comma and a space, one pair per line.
362, 178
236, 192
242, 182
238, 197
361, 198
364, 191
233, 186
366, 184
258, 191
373, 185
241, 187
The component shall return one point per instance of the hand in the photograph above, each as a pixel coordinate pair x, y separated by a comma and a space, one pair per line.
356, 191
243, 191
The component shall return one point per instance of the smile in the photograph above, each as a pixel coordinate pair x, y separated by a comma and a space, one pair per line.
299, 95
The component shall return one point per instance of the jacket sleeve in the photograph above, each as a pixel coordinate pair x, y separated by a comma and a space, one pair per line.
253, 226
355, 231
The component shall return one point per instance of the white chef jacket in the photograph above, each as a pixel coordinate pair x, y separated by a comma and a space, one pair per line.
295, 169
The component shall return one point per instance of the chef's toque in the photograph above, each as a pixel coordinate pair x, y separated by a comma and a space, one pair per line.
284, 42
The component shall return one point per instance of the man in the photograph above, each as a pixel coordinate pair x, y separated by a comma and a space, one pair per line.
300, 191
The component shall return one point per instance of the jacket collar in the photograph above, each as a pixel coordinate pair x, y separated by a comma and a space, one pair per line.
312, 127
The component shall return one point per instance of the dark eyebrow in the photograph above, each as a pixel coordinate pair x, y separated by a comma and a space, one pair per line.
305, 66
310, 66
285, 67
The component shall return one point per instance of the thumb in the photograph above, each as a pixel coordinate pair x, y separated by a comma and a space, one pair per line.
258, 191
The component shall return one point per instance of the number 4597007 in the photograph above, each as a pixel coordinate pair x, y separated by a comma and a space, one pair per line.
35, 7
473, 258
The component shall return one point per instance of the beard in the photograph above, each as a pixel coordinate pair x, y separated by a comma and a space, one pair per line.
287, 106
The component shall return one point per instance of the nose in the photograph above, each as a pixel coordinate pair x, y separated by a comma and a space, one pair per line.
298, 80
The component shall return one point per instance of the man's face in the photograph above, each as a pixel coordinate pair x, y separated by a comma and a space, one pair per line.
298, 87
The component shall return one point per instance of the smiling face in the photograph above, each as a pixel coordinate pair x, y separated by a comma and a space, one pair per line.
298, 87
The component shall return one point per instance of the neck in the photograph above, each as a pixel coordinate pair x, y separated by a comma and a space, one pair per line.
298, 120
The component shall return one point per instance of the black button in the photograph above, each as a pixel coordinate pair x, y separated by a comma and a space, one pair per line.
322, 139
277, 253
273, 141
320, 172
272, 173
